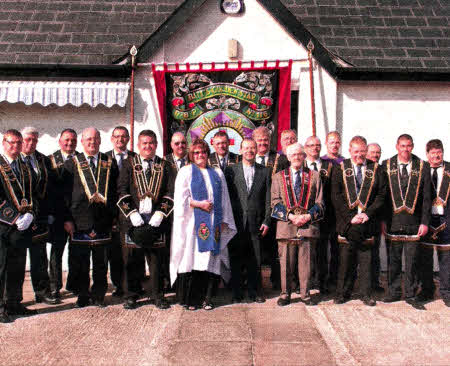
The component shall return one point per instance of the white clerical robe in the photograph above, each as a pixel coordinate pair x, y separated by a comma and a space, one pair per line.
184, 254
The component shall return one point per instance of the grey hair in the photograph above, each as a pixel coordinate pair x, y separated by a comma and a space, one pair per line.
30, 130
296, 145
90, 128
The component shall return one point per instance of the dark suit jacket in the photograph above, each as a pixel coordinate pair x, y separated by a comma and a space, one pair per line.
126, 186
85, 215
110, 153
344, 214
250, 210
403, 222
213, 159
277, 162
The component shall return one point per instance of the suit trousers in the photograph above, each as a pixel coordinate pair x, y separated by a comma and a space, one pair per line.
395, 268
352, 256
82, 257
153, 257
39, 268
444, 273
319, 261
134, 271
243, 253
115, 259
74, 271
55, 272
292, 252
375, 262
425, 257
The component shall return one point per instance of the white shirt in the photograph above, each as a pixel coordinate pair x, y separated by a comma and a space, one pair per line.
95, 158
310, 164
363, 170
66, 155
249, 174
437, 210
120, 156
400, 167
178, 160
33, 162
259, 158
294, 175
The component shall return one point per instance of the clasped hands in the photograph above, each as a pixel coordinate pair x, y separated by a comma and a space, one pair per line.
299, 220
360, 218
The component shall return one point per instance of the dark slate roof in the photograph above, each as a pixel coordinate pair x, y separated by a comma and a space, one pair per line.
76, 32
380, 34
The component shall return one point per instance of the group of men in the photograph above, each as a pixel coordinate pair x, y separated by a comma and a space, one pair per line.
316, 220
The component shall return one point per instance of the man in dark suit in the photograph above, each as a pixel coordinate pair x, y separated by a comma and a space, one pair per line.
358, 191
275, 162
439, 233
249, 189
57, 235
119, 139
16, 217
178, 158
222, 156
408, 212
90, 191
319, 250
146, 201
43, 182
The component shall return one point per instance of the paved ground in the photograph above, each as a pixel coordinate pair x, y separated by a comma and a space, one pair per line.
244, 334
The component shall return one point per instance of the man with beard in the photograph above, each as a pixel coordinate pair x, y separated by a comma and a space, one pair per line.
407, 217
222, 157
90, 192
58, 236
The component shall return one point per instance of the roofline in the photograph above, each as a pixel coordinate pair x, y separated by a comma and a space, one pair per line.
15, 71
169, 27
390, 74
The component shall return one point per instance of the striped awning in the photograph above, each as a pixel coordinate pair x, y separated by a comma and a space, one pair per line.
61, 93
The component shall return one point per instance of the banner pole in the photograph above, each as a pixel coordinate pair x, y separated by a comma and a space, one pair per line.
311, 84
133, 53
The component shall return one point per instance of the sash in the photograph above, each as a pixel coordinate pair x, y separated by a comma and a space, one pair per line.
325, 169
444, 190
57, 161
355, 199
147, 188
293, 206
203, 224
43, 176
20, 193
407, 203
96, 189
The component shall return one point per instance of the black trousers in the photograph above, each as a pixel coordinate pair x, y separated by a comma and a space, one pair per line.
319, 261
269, 253
81, 255
375, 276
354, 260
242, 252
39, 268
115, 259
153, 257
425, 256
134, 271
74, 271
55, 270
193, 288
444, 273
395, 268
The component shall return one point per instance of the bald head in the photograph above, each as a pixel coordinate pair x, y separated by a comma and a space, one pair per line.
312, 148
178, 145
90, 140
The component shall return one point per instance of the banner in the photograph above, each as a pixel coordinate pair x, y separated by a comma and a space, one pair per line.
202, 102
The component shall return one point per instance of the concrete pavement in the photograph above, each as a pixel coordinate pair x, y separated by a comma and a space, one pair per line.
241, 334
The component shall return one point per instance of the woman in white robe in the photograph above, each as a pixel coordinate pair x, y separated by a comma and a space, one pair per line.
197, 270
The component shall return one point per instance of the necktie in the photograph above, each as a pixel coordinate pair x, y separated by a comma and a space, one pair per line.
30, 167
314, 165
222, 163
263, 160
148, 172
404, 178
434, 178
16, 170
297, 185
92, 164
119, 158
358, 177
182, 162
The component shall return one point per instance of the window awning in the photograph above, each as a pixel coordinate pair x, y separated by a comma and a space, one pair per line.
65, 92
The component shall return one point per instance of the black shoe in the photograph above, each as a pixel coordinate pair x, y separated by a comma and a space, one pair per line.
340, 300
260, 299
21, 310
236, 300
368, 301
72, 290
390, 298
130, 304
118, 292
308, 301
82, 302
415, 304
47, 299
423, 297
162, 304
4, 318
378, 289
99, 303
56, 294
283, 301
446, 302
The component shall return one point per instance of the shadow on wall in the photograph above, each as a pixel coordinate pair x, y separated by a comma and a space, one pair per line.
51, 120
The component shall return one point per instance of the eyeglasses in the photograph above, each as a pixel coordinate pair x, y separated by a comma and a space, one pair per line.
199, 152
313, 145
17, 142
179, 143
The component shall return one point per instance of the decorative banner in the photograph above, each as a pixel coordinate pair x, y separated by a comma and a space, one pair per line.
237, 101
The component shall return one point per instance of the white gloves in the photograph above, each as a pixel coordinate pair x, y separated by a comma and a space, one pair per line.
136, 219
145, 206
24, 221
50, 219
156, 219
